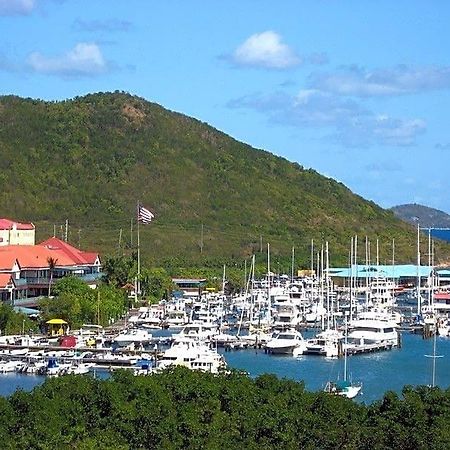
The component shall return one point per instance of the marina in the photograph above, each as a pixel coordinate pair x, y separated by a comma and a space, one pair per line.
378, 372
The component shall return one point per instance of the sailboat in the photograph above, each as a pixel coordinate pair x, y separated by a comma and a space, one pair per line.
344, 387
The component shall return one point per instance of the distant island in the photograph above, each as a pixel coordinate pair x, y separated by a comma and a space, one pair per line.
434, 219
425, 216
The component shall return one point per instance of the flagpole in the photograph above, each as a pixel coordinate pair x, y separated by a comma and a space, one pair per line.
138, 290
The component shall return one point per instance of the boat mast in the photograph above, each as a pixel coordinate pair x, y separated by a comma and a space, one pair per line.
393, 269
350, 290
367, 272
322, 316
345, 351
268, 284
418, 272
327, 281
430, 276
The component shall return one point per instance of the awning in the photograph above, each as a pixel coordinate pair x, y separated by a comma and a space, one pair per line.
27, 311
56, 322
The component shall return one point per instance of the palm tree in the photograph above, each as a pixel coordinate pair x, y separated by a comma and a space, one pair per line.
51, 266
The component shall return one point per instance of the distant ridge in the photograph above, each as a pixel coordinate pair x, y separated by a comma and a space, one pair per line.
215, 199
425, 216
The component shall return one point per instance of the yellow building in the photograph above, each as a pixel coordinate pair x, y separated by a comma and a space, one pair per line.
57, 327
16, 233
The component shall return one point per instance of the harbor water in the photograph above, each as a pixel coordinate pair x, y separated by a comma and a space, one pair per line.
378, 372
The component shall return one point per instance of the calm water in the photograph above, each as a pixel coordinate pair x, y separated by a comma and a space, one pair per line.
441, 234
378, 372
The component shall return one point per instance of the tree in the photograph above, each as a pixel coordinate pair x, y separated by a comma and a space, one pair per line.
118, 271
51, 267
77, 303
14, 323
156, 284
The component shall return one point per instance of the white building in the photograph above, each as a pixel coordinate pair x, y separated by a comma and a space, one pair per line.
16, 233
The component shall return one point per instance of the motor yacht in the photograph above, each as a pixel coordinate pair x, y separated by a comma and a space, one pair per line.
286, 342
193, 354
134, 336
327, 343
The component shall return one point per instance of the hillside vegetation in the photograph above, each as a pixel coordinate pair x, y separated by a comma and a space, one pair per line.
216, 200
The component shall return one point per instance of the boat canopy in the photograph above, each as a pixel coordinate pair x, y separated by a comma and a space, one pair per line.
342, 384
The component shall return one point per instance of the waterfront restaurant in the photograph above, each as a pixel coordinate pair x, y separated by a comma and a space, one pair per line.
404, 274
190, 287
26, 271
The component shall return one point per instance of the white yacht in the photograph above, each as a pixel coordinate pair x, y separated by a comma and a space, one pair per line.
198, 331
175, 318
194, 354
316, 314
132, 336
327, 343
150, 317
256, 336
287, 314
287, 342
366, 331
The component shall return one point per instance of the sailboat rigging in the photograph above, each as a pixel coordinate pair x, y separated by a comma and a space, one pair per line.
344, 387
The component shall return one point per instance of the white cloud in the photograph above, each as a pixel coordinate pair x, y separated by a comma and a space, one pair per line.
398, 80
352, 125
16, 7
385, 130
393, 131
85, 59
107, 25
265, 50
309, 108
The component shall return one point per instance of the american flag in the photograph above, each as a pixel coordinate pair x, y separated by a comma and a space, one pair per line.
144, 215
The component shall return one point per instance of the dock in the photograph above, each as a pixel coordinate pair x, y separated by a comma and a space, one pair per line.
369, 348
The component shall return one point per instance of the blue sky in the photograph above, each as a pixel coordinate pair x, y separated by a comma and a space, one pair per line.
357, 90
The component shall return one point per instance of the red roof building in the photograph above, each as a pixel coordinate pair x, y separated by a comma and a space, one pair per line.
29, 266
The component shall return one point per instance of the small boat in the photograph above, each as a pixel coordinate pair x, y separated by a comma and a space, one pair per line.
79, 368
8, 366
344, 387
53, 368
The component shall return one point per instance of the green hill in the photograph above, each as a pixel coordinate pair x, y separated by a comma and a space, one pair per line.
89, 160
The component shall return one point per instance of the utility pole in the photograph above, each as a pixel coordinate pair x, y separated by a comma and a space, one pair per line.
66, 234
201, 240
79, 237
131, 232
260, 243
120, 241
